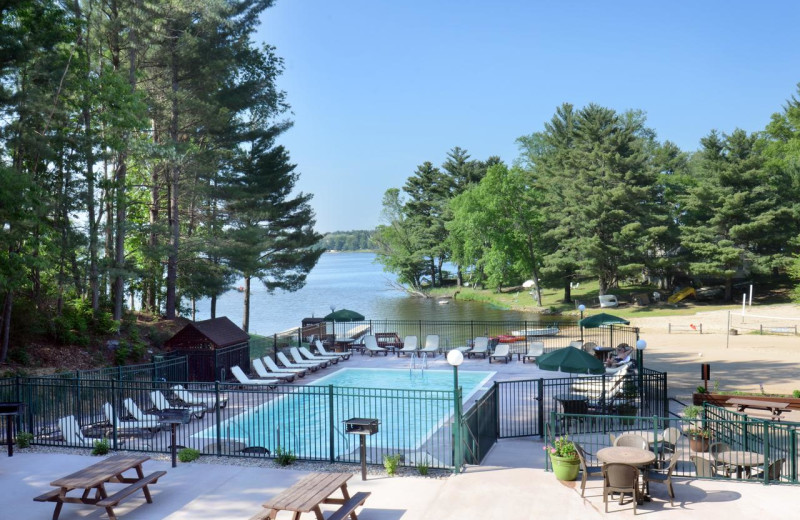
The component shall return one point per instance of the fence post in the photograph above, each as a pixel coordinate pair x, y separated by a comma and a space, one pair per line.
497, 409
539, 401
767, 433
218, 414
331, 425
793, 456
114, 414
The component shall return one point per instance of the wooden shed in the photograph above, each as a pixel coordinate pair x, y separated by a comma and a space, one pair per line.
211, 347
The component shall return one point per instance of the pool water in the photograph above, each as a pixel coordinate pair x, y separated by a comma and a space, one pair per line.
411, 405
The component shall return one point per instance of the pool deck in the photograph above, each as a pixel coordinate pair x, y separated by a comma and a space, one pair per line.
510, 485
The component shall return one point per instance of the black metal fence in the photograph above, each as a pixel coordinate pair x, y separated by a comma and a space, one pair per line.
171, 369
479, 427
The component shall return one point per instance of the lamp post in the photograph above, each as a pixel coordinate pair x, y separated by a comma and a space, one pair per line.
581, 308
455, 358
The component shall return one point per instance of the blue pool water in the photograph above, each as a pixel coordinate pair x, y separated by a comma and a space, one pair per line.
411, 406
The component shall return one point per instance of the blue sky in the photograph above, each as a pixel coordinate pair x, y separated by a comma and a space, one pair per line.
377, 87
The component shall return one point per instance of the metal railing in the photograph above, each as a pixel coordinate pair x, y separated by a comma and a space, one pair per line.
171, 369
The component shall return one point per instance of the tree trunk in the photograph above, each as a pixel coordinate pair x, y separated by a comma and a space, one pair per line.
246, 314
5, 325
213, 306
174, 222
567, 289
154, 277
728, 289
459, 276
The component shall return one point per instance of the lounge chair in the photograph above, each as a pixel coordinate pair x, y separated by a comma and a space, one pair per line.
322, 352
291, 364
240, 376
295, 356
431, 345
311, 357
480, 347
409, 345
136, 427
576, 344
501, 352
71, 432
275, 369
209, 401
160, 403
263, 373
535, 349
136, 412
371, 346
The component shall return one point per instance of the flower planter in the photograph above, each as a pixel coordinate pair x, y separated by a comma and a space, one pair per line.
565, 468
699, 443
722, 399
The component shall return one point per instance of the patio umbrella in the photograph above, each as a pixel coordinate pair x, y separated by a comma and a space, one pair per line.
344, 315
571, 360
598, 320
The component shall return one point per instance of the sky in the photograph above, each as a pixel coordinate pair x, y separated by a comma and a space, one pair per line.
377, 87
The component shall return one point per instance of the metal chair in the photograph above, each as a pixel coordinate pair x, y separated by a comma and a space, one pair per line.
586, 470
664, 477
717, 448
773, 471
621, 478
703, 467
632, 441
669, 440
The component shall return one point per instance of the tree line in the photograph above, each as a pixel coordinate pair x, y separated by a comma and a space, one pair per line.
595, 194
357, 240
139, 159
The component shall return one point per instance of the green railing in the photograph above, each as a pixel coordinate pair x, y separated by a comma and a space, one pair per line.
171, 369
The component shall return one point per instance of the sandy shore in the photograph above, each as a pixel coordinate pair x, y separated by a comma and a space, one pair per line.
744, 362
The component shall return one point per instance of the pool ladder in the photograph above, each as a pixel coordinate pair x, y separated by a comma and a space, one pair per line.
423, 361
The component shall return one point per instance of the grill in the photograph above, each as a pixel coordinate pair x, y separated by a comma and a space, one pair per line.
359, 426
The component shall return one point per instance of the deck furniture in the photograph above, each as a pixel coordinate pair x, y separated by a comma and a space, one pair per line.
371, 346
501, 352
322, 352
10, 410
586, 470
703, 467
624, 455
93, 479
290, 364
410, 344
210, 402
318, 358
275, 369
71, 432
388, 340
263, 373
242, 378
632, 441
298, 358
776, 408
480, 347
431, 345
621, 478
664, 477
742, 461
139, 428
161, 403
309, 493
535, 349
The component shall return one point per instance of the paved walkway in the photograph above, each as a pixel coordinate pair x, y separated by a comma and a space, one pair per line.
510, 485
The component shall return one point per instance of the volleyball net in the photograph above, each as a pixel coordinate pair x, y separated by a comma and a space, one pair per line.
765, 324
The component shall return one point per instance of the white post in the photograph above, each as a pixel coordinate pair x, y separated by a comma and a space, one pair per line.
744, 302
728, 332
750, 303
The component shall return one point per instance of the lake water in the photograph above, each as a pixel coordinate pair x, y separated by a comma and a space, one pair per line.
345, 281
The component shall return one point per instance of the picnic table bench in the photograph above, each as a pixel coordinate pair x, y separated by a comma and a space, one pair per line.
775, 407
309, 493
95, 477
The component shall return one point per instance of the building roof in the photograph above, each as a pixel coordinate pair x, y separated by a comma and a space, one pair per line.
221, 332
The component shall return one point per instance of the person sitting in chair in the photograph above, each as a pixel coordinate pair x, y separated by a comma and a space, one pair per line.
622, 356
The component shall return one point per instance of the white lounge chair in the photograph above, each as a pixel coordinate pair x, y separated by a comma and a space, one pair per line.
208, 400
322, 352
275, 369
136, 412
535, 349
312, 357
240, 376
291, 364
71, 432
409, 345
138, 427
263, 373
294, 354
371, 346
431, 345
160, 403
480, 347
501, 352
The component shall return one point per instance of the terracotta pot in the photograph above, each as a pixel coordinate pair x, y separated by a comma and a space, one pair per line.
699, 443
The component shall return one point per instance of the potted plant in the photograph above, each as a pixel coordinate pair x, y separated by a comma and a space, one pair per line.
699, 437
564, 458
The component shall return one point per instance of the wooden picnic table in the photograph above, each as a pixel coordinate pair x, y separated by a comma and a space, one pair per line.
775, 407
93, 480
312, 491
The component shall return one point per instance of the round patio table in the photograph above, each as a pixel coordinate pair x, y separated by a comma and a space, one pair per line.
625, 455
741, 459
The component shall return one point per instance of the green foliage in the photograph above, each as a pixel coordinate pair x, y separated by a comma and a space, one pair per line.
796, 394
347, 241
698, 433
423, 467
24, 439
188, 455
562, 447
391, 463
284, 457
700, 389
692, 411
122, 352
101, 447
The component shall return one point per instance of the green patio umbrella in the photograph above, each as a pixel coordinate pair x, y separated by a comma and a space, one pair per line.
572, 360
598, 320
344, 315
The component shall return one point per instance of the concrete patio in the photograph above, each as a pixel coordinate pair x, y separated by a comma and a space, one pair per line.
510, 485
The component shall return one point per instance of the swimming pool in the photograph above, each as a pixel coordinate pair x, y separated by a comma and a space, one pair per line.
412, 407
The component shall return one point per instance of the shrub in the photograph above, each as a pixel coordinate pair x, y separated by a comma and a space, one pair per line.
423, 467
391, 463
188, 455
700, 389
24, 439
692, 412
101, 447
284, 457
796, 394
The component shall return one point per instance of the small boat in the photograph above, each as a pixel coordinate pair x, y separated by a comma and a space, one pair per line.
547, 331
443, 302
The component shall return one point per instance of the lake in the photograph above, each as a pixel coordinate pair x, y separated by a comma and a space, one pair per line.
345, 281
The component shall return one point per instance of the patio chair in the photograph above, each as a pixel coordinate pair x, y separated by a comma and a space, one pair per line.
703, 467
588, 347
136, 412
715, 449
535, 349
134, 427
621, 478
630, 440
160, 403
295, 356
273, 368
576, 344
409, 345
586, 470
240, 376
189, 398
263, 373
773, 471
480, 347
669, 440
71, 432
431, 345
663, 477
291, 364
612, 438
312, 357
371, 346
501, 352
323, 352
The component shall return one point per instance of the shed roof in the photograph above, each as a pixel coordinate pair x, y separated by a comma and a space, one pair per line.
221, 332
